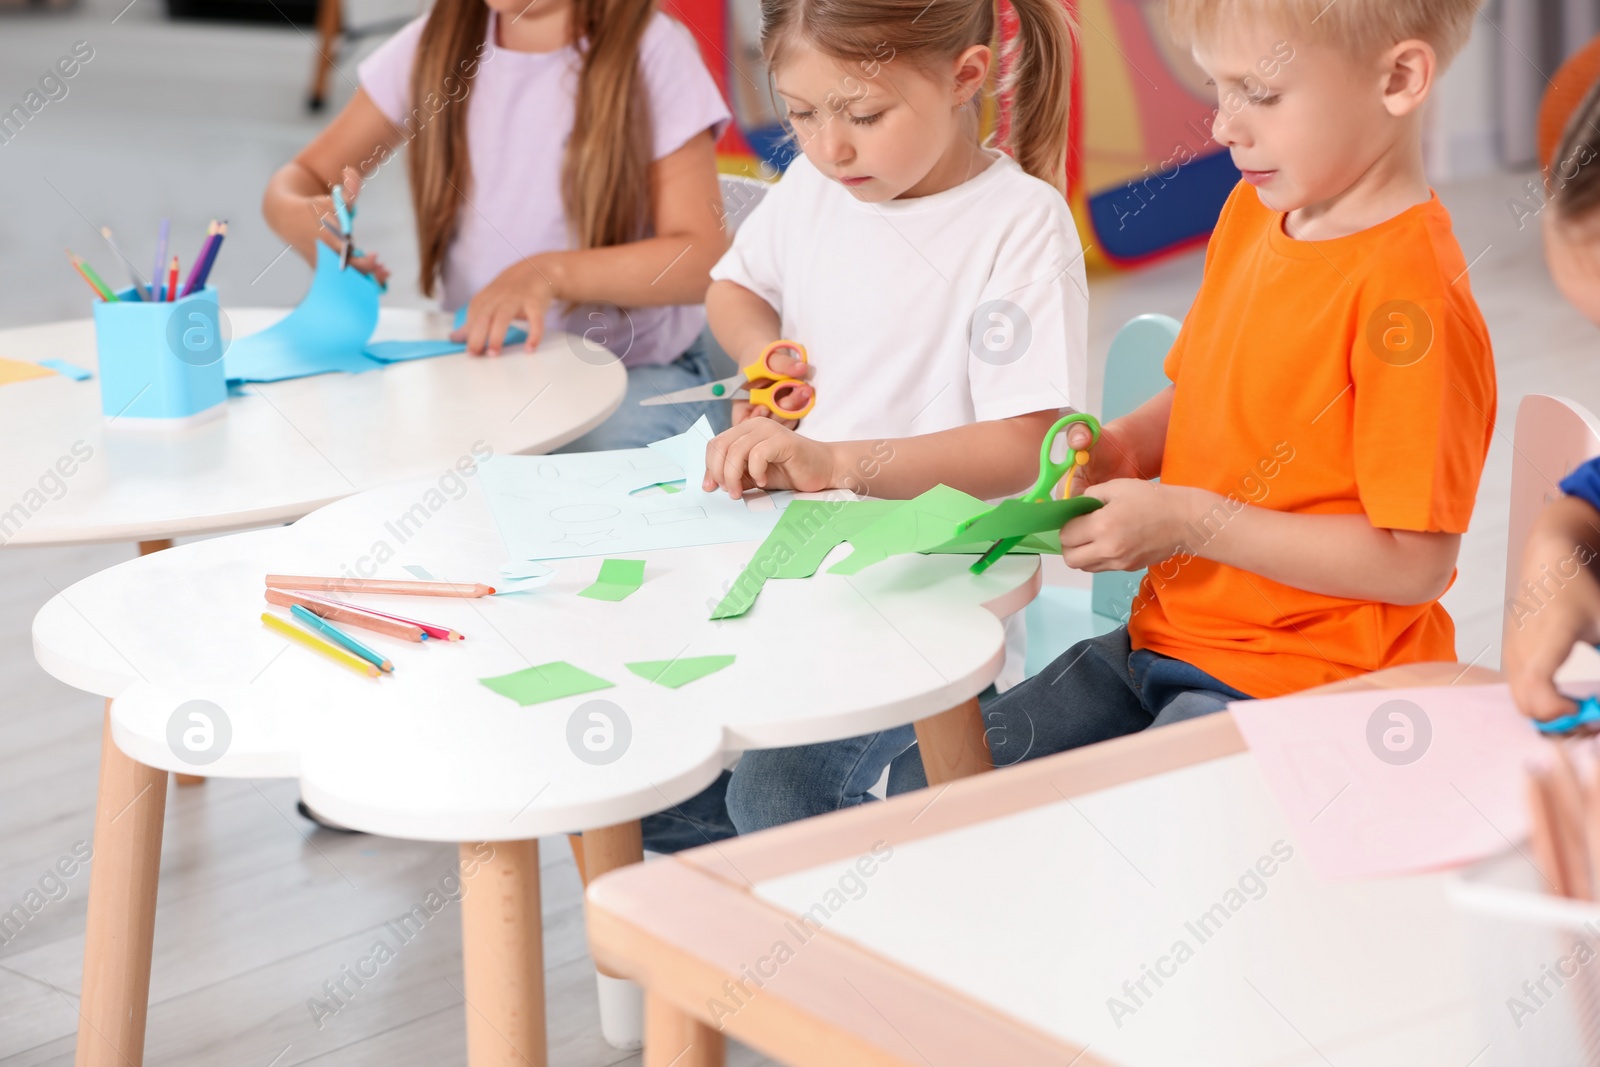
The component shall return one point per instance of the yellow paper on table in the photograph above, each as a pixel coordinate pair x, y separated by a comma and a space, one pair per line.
16, 370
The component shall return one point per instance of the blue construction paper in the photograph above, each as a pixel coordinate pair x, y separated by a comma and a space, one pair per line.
582, 504
327, 332
399, 351
70, 370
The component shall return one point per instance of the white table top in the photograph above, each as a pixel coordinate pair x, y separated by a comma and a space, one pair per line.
1044, 914
429, 753
284, 449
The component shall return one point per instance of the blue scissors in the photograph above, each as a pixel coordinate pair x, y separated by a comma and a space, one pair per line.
1588, 712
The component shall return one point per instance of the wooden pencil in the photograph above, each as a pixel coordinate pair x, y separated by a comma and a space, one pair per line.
439, 633
317, 644
349, 615
1571, 839
397, 586
1541, 833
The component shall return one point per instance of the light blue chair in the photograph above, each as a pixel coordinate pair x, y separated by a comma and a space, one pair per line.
1059, 618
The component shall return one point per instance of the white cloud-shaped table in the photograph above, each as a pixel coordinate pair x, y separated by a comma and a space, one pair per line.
429, 753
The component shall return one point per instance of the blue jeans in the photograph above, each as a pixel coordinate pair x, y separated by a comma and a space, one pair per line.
634, 426
1097, 690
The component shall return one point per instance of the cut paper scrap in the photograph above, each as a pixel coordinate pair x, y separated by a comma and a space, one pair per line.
548, 681
1014, 518
673, 673
16, 370
1384, 782
619, 579
326, 332
581, 504
67, 370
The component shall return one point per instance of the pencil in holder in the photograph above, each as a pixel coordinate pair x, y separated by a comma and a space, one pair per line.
161, 363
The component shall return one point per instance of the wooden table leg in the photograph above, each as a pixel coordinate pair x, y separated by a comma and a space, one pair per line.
145, 548
621, 1001
502, 949
952, 744
608, 848
674, 1039
122, 908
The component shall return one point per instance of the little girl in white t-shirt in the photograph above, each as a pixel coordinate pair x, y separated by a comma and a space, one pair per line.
937, 285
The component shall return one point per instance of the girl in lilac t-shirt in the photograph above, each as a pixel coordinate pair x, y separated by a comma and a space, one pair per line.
585, 201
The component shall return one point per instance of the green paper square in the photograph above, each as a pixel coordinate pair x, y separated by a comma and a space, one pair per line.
548, 681
675, 672
619, 578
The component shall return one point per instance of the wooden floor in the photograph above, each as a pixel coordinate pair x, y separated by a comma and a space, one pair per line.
259, 912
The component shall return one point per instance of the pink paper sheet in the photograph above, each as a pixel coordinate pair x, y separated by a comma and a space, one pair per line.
1393, 781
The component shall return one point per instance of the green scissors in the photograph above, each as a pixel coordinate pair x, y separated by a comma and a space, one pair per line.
1050, 473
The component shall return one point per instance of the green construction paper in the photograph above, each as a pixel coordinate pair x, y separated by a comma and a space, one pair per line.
619, 578
675, 672
1015, 518
806, 532
1036, 544
548, 681
917, 525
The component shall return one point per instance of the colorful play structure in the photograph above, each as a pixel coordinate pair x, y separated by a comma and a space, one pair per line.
1144, 177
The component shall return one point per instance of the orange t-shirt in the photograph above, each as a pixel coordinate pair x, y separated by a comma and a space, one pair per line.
1342, 377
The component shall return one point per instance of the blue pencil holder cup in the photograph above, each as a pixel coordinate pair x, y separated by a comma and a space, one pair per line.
161, 363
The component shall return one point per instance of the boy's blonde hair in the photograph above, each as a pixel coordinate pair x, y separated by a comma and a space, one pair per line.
1362, 28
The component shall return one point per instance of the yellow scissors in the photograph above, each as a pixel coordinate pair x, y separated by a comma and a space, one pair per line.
766, 396
1050, 472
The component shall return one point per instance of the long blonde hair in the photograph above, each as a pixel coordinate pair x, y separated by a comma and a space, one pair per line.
605, 174
1036, 64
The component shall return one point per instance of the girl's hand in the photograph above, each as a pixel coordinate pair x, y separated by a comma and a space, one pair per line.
1141, 523
784, 362
762, 454
1109, 460
322, 208
522, 291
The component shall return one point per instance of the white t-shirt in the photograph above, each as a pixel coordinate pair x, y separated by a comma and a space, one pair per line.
519, 117
926, 314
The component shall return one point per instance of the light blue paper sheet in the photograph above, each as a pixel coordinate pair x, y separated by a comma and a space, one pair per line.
399, 351
70, 370
563, 506
325, 333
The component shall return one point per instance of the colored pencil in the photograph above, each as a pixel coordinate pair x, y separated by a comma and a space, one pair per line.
396, 586
211, 256
317, 644
199, 259
438, 633
338, 636
350, 616
88, 281
94, 279
172, 281
133, 273
156, 290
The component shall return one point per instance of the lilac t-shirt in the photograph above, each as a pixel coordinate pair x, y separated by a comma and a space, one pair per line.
519, 116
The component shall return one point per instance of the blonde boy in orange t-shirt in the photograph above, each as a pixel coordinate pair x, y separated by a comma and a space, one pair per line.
1332, 401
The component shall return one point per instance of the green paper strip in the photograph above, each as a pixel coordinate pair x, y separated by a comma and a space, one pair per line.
619, 579
1015, 518
675, 672
548, 681
919, 524
806, 532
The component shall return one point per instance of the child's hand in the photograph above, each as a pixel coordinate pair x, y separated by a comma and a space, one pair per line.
1542, 632
784, 362
322, 207
1109, 459
762, 454
522, 291
1141, 523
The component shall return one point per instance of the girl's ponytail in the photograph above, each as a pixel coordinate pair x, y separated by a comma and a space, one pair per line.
1037, 87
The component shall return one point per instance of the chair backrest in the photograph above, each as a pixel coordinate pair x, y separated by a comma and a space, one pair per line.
1553, 435
740, 195
1134, 374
